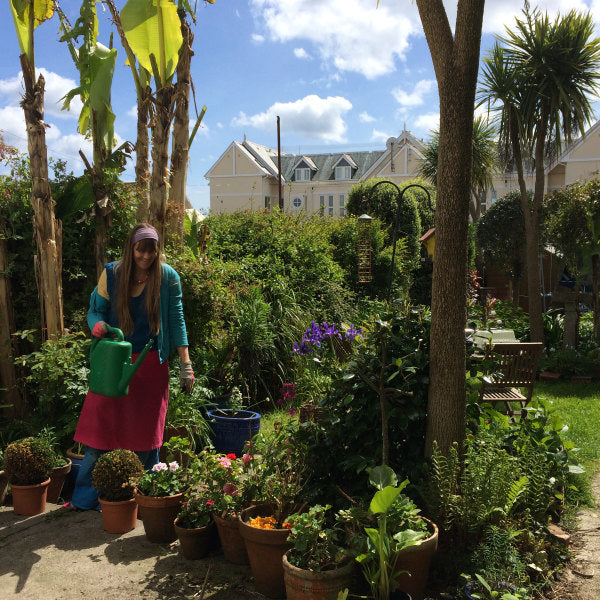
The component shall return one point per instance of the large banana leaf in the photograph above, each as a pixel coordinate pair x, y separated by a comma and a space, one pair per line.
152, 33
20, 9
102, 68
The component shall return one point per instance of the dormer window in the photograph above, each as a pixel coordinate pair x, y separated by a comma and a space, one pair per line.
302, 174
343, 172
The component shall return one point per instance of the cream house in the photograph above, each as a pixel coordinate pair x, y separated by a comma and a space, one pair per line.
245, 177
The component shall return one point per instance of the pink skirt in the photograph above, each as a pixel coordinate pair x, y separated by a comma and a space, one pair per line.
134, 422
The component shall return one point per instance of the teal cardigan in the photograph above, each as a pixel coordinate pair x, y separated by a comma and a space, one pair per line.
172, 332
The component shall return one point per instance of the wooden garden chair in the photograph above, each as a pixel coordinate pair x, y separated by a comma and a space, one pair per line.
511, 384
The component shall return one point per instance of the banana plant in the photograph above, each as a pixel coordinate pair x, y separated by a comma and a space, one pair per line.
27, 15
96, 65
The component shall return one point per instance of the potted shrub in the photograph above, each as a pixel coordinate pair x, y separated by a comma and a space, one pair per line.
398, 546
111, 476
159, 493
276, 481
317, 565
61, 468
194, 526
28, 463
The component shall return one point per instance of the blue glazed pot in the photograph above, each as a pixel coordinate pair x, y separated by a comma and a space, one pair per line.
231, 429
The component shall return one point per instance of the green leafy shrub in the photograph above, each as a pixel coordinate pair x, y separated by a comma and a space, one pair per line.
28, 461
348, 439
57, 383
112, 474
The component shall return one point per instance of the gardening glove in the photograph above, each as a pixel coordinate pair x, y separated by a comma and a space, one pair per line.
100, 329
186, 377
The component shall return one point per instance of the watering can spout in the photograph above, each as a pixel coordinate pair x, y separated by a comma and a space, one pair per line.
129, 370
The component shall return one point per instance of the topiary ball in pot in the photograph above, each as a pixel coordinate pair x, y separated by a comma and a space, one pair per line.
112, 473
29, 461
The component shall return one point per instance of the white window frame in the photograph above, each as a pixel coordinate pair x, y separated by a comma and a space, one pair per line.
322, 204
302, 174
297, 202
343, 172
342, 205
330, 205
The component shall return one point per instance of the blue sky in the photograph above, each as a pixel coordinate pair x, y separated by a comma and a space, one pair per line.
341, 74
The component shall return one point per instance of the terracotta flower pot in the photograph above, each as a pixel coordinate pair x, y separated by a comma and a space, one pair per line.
232, 542
416, 560
57, 481
119, 516
266, 548
303, 584
158, 515
30, 500
195, 543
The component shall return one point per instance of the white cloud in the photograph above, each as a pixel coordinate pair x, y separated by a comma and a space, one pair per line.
350, 34
133, 112
416, 97
428, 121
301, 53
56, 87
365, 117
257, 38
380, 136
311, 117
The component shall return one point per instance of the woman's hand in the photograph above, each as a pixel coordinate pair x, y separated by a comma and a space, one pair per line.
186, 376
100, 329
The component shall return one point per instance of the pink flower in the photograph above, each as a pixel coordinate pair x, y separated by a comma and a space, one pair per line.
159, 467
292, 411
173, 466
210, 502
246, 458
224, 462
229, 489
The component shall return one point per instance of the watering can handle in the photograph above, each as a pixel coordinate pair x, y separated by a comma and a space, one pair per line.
116, 332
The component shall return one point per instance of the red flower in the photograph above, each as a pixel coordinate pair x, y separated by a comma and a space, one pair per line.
231, 456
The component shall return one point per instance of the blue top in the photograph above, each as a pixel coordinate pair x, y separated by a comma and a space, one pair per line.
172, 332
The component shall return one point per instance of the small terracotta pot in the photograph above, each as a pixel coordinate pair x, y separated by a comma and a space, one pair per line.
119, 516
158, 514
195, 543
30, 500
232, 542
266, 548
303, 584
416, 560
57, 480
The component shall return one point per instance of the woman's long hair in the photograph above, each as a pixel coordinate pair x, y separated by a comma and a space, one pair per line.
125, 276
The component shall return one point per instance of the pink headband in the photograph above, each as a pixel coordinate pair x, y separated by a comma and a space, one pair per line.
145, 233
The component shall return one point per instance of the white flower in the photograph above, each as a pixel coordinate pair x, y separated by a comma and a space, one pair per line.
159, 467
173, 466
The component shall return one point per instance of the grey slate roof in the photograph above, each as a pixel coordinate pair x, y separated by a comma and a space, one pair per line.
325, 164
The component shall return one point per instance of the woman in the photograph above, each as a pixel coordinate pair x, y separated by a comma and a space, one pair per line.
142, 297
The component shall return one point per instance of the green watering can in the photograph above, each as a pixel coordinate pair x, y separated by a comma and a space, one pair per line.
110, 364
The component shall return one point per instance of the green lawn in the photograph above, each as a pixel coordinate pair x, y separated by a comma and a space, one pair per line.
578, 406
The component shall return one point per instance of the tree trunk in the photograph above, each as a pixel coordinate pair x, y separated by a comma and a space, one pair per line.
595, 278
47, 228
180, 146
16, 408
160, 161
142, 152
456, 62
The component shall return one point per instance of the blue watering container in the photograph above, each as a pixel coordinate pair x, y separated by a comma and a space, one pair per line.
231, 429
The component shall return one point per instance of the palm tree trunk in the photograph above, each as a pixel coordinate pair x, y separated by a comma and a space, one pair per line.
179, 146
595, 278
455, 60
47, 229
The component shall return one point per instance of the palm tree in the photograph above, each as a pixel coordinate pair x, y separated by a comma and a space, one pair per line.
484, 167
539, 83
